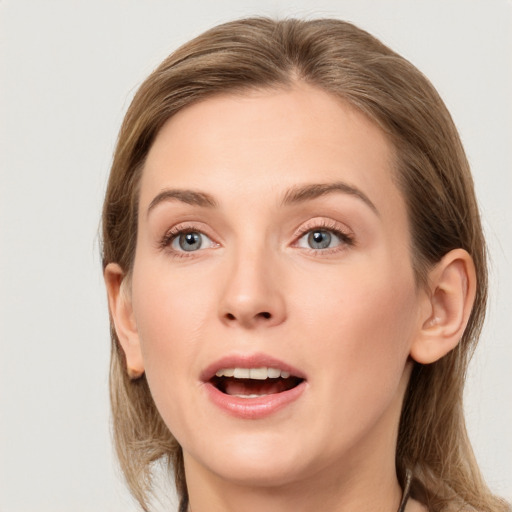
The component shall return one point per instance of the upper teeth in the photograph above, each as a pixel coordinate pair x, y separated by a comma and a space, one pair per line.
252, 373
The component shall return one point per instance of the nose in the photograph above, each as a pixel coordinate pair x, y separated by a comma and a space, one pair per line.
253, 293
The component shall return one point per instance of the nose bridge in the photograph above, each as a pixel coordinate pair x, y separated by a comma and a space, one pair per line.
252, 293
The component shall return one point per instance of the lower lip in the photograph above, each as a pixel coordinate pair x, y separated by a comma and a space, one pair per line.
254, 408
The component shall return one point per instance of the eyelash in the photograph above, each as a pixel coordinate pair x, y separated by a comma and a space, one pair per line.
332, 227
346, 239
172, 234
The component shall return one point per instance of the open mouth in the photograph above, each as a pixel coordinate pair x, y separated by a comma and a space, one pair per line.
253, 382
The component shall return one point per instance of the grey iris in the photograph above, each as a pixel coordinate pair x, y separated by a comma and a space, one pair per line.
190, 241
319, 239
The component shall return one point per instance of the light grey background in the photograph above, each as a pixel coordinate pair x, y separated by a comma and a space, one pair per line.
68, 70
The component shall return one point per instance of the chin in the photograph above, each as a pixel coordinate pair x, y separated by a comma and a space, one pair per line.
255, 460
271, 472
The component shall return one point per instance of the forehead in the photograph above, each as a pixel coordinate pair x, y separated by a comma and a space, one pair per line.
263, 141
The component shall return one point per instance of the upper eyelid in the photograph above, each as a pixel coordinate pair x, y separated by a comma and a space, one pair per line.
189, 226
173, 232
322, 223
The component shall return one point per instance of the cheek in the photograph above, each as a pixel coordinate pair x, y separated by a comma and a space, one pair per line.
363, 352
170, 314
168, 326
362, 323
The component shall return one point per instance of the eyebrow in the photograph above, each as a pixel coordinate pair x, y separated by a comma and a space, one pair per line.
294, 195
191, 197
303, 193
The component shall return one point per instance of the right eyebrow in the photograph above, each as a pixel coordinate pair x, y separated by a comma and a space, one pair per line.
185, 196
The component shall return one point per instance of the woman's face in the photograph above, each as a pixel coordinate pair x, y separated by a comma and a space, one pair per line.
273, 241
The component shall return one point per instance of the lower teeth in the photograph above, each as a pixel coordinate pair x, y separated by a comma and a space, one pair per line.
248, 396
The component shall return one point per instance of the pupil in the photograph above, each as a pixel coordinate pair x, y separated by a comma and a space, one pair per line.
319, 239
190, 241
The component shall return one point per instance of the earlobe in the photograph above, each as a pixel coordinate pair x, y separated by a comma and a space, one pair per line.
121, 312
451, 293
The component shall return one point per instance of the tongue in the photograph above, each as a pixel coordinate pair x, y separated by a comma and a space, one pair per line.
254, 387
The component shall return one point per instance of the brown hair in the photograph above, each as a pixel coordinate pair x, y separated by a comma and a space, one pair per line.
432, 172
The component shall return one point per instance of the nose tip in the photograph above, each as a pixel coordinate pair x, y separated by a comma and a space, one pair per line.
252, 297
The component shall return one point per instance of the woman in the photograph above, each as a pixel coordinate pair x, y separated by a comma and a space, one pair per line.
296, 275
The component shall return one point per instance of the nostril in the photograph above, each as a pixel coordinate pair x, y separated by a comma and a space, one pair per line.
263, 315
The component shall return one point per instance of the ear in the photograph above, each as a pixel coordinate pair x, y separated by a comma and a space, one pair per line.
121, 311
450, 296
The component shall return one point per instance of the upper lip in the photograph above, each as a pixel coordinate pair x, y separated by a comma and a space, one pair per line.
249, 361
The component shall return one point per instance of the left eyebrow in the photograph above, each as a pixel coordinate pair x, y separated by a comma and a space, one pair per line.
303, 193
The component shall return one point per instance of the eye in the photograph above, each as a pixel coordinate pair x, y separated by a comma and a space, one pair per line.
318, 239
190, 241
321, 238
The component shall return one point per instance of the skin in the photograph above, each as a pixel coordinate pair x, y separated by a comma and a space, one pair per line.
350, 317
